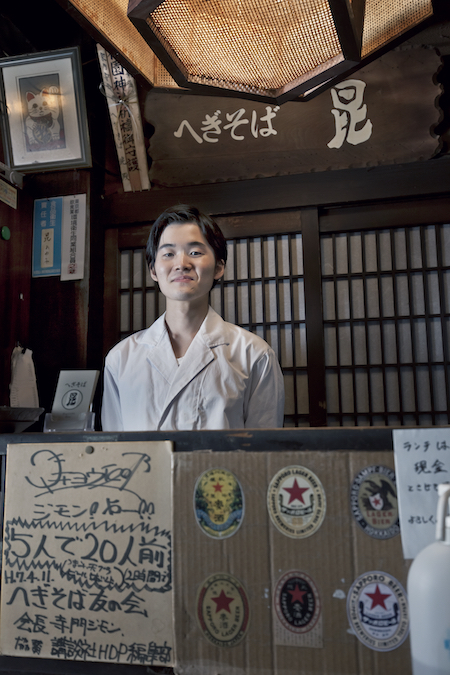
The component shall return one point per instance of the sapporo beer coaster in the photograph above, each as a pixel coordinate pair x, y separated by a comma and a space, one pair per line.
373, 501
377, 609
218, 503
223, 610
297, 611
296, 502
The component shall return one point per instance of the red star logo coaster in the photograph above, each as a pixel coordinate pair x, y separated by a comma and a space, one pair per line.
223, 610
377, 610
378, 598
222, 602
296, 502
297, 594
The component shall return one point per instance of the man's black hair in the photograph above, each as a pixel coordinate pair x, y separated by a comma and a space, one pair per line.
181, 215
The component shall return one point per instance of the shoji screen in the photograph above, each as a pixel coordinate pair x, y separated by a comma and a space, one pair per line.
386, 310
384, 319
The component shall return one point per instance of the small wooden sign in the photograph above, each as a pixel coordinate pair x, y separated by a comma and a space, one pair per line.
8, 194
383, 114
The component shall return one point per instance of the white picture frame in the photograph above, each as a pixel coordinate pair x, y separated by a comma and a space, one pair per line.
43, 111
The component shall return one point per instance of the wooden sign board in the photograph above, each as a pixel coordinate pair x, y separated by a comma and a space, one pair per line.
87, 552
383, 114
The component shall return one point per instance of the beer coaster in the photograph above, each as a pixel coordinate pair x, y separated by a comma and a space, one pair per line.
296, 502
377, 609
373, 501
223, 610
298, 611
218, 503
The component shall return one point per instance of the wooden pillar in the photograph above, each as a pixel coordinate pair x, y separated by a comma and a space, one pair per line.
313, 314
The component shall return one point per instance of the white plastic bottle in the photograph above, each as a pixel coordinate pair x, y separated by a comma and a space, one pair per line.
429, 598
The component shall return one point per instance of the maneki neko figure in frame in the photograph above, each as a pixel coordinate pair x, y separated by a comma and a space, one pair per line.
43, 120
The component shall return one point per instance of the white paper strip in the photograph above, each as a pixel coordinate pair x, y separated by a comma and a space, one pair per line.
107, 83
125, 115
23, 390
73, 237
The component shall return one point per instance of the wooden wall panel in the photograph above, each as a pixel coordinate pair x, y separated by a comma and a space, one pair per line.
15, 265
328, 188
59, 309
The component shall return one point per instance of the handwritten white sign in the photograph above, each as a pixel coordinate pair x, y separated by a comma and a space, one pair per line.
73, 237
422, 461
87, 554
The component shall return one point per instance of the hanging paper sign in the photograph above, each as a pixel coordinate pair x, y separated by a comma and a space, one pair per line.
422, 462
121, 94
73, 237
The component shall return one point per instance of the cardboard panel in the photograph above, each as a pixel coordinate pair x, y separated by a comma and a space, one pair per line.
259, 555
375, 554
244, 555
327, 557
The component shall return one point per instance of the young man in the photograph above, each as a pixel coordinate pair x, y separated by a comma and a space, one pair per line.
190, 369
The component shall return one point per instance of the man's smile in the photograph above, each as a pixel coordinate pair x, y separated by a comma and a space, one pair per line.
183, 278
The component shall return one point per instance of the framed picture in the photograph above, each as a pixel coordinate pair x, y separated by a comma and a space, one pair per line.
43, 111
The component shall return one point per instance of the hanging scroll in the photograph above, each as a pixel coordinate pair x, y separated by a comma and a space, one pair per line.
121, 94
87, 554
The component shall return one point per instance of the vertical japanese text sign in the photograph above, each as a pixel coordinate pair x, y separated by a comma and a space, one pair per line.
47, 237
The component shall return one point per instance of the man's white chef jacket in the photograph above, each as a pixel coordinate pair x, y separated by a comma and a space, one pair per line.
229, 378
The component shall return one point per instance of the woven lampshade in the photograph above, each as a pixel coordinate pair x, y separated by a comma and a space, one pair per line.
272, 50
107, 20
268, 50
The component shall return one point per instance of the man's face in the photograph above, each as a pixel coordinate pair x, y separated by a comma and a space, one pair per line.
185, 266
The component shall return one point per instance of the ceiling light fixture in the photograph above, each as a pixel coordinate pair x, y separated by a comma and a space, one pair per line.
271, 50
